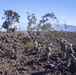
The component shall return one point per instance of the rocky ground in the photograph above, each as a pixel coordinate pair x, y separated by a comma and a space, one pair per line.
15, 61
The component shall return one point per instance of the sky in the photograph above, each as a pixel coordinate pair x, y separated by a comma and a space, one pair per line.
64, 10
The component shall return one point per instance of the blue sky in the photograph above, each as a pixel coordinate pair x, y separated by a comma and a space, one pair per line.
65, 10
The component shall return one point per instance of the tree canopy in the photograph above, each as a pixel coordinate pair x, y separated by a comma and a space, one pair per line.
10, 17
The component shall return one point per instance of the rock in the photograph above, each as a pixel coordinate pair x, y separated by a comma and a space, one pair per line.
13, 61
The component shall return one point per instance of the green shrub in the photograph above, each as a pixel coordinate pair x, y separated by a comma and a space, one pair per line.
28, 44
27, 39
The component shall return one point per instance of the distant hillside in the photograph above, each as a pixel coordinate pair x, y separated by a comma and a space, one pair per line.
71, 28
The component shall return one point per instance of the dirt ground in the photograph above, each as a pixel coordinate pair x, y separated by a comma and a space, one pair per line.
33, 63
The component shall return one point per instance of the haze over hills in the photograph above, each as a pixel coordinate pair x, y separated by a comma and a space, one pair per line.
70, 28
61, 27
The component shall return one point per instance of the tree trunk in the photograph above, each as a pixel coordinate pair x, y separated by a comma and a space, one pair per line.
8, 29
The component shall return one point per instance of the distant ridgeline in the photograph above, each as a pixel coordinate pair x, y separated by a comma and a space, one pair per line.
61, 27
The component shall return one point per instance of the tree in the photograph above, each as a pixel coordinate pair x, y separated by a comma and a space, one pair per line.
46, 27
31, 29
51, 16
34, 28
10, 17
